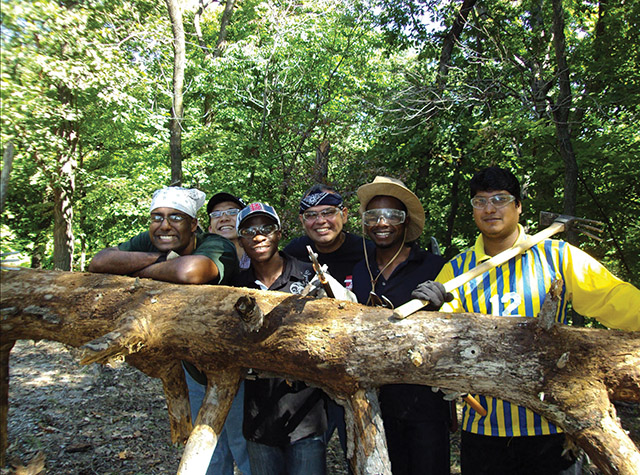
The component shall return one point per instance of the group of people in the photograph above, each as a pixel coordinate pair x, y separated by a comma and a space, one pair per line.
276, 426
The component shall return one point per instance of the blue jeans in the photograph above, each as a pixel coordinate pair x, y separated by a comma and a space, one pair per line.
231, 443
304, 457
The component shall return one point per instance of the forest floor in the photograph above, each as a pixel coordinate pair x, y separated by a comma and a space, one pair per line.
98, 420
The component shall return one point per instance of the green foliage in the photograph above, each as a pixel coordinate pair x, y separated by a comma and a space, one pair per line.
359, 76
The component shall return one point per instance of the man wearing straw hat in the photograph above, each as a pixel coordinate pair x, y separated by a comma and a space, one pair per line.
416, 419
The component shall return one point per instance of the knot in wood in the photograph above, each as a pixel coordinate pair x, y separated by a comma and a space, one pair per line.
562, 361
249, 312
416, 357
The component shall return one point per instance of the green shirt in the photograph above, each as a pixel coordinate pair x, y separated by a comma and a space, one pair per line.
217, 248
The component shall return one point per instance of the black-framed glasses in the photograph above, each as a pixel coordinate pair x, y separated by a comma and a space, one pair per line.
498, 201
172, 218
253, 231
391, 216
326, 213
221, 213
379, 301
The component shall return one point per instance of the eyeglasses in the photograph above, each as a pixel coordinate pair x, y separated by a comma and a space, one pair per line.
253, 231
379, 301
498, 201
172, 218
371, 217
326, 213
228, 212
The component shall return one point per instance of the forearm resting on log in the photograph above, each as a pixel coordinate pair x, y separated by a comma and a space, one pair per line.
340, 346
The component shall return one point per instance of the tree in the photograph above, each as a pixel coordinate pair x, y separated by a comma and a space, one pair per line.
177, 110
565, 374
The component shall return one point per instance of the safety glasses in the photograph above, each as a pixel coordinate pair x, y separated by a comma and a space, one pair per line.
253, 231
172, 218
498, 201
371, 217
228, 212
327, 213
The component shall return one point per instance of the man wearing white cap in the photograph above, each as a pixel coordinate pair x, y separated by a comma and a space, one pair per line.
172, 250
416, 419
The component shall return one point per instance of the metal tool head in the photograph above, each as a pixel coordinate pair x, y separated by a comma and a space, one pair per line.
571, 223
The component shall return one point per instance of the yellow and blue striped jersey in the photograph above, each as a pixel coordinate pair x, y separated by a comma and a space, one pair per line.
518, 288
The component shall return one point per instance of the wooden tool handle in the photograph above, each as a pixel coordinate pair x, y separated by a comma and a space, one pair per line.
475, 405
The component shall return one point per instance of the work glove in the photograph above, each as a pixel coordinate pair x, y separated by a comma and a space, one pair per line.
434, 292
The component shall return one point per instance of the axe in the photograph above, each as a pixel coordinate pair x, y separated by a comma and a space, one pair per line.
559, 223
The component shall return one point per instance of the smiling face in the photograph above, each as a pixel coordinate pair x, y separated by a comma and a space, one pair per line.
383, 234
224, 225
325, 231
260, 248
497, 224
176, 231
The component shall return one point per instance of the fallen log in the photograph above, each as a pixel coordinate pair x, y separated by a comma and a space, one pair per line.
567, 374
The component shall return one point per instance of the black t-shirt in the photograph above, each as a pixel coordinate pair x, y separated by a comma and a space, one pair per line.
339, 262
276, 411
403, 401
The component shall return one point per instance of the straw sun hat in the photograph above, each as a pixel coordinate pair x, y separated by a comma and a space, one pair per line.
386, 186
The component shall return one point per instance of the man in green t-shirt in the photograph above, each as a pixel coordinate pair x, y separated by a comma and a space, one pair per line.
172, 250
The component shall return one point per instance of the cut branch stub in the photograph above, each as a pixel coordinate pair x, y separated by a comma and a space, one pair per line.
129, 338
547, 315
249, 312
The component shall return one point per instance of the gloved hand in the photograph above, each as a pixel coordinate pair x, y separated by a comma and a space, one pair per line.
434, 292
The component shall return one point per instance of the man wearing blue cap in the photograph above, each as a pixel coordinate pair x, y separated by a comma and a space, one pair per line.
284, 421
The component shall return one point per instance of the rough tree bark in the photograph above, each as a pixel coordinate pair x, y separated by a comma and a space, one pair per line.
7, 165
566, 374
177, 110
561, 110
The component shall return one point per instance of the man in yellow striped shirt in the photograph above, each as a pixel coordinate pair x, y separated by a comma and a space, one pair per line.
511, 439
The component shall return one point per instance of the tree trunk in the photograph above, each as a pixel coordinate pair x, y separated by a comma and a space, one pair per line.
565, 374
63, 242
561, 112
177, 110
450, 40
7, 165
217, 52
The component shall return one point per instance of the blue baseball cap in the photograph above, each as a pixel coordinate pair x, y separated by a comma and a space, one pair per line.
257, 209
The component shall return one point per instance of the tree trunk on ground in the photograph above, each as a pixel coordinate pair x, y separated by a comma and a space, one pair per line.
177, 110
566, 374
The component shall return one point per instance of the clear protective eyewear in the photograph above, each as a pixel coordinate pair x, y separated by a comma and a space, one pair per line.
253, 231
172, 218
221, 213
379, 301
327, 213
393, 217
498, 201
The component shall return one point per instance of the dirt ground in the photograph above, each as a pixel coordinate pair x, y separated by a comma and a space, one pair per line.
98, 420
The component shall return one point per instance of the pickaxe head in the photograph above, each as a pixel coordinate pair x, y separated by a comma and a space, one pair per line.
571, 223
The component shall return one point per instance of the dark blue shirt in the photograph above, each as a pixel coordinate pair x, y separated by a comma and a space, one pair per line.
403, 401
278, 412
339, 262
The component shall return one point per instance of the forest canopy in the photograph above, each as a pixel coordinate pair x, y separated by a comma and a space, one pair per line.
277, 95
